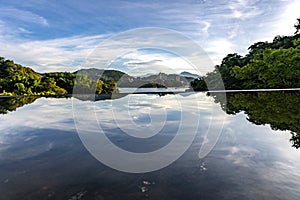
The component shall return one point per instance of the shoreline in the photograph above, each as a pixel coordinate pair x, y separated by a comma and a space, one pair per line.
145, 92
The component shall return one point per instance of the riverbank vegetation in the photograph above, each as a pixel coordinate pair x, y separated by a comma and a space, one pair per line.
16, 79
267, 65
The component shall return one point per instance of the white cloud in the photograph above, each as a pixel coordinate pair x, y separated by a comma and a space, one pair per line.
50, 55
243, 9
173, 51
40, 115
218, 28
60, 54
219, 48
284, 25
242, 155
278, 20
23, 15
206, 26
23, 30
142, 63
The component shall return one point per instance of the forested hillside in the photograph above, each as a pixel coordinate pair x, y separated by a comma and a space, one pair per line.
16, 79
273, 64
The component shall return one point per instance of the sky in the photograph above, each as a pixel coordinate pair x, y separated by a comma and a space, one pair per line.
52, 35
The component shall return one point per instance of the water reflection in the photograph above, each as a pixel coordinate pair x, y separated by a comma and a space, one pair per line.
278, 109
42, 157
8, 104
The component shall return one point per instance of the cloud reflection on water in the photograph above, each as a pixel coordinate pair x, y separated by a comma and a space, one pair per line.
39, 142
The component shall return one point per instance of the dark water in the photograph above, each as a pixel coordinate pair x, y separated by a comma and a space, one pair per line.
255, 156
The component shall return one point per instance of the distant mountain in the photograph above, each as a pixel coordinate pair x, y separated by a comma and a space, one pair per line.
190, 75
124, 80
167, 80
103, 74
16, 79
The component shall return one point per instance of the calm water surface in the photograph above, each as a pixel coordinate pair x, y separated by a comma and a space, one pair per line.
255, 157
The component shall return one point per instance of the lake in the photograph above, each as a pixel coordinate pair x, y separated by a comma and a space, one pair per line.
244, 146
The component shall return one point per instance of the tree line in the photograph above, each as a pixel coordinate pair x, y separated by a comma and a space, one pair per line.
16, 79
267, 65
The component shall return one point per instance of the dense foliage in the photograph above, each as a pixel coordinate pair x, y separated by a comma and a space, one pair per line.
104, 75
267, 65
279, 109
18, 80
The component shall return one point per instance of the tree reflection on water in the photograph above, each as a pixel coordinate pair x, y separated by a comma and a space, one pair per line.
279, 109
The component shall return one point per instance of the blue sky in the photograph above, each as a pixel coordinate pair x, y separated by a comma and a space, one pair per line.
52, 35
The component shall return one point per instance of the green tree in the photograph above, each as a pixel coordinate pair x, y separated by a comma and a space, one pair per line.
18, 80
64, 80
48, 86
109, 87
20, 88
272, 68
267, 65
99, 87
